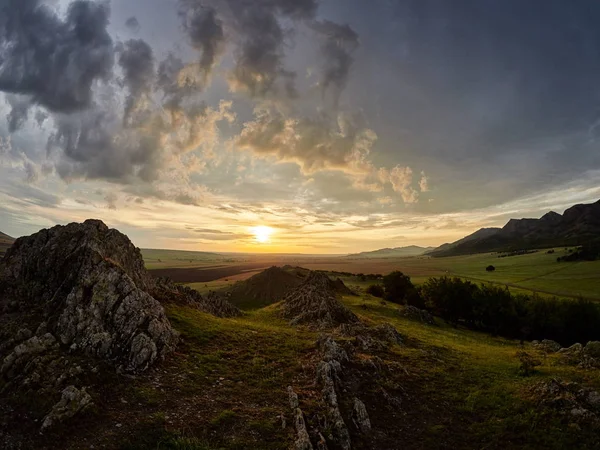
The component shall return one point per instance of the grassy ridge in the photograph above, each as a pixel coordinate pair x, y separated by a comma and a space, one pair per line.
462, 389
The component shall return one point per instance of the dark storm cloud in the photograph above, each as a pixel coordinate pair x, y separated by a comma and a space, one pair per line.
205, 31
258, 35
90, 150
54, 61
137, 62
339, 43
133, 24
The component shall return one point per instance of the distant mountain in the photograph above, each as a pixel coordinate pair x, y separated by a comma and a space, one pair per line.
479, 235
578, 225
5, 242
412, 250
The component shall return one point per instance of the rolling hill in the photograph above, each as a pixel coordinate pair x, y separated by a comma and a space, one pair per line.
577, 225
412, 250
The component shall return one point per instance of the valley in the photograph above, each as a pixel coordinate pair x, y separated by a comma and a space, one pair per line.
537, 272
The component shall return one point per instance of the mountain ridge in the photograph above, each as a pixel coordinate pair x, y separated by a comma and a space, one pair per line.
578, 224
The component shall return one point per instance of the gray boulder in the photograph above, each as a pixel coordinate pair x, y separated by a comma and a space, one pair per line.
360, 416
548, 346
72, 402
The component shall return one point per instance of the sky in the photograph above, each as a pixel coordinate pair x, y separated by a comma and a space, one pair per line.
296, 126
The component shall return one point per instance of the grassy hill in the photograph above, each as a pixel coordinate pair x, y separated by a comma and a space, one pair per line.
226, 389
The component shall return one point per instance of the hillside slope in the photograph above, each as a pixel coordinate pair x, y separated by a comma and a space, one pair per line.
578, 225
263, 289
412, 250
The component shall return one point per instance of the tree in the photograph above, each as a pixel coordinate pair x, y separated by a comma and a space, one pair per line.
397, 286
490, 268
376, 290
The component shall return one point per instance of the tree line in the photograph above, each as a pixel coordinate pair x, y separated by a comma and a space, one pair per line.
494, 309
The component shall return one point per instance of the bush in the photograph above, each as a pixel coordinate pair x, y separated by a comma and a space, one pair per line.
397, 287
528, 363
376, 290
490, 268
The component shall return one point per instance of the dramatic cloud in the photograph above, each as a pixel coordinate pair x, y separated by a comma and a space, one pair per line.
55, 62
401, 179
323, 143
137, 62
339, 42
258, 35
206, 35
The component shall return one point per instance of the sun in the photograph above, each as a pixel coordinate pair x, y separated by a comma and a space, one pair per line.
262, 234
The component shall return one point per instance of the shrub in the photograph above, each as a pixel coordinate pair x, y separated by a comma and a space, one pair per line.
376, 290
527, 363
397, 286
490, 268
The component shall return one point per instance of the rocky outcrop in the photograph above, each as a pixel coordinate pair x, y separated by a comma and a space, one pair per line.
72, 402
302, 441
168, 292
315, 303
586, 357
88, 284
372, 338
575, 402
547, 346
416, 314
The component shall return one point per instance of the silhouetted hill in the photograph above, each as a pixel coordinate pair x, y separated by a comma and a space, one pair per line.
479, 235
578, 225
412, 250
263, 289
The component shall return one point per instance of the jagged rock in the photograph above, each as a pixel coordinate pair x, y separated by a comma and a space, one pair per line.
360, 417
88, 284
570, 399
315, 303
302, 438
168, 292
327, 376
23, 353
72, 402
331, 350
372, 338
420, 315
548, 346
293, 398
584, 357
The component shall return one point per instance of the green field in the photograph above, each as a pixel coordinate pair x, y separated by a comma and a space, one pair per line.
157, 259
536, 272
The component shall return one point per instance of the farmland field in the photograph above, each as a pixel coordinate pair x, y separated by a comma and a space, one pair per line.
536, 272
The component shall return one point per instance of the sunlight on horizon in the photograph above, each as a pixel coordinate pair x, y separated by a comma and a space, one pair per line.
262, 234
